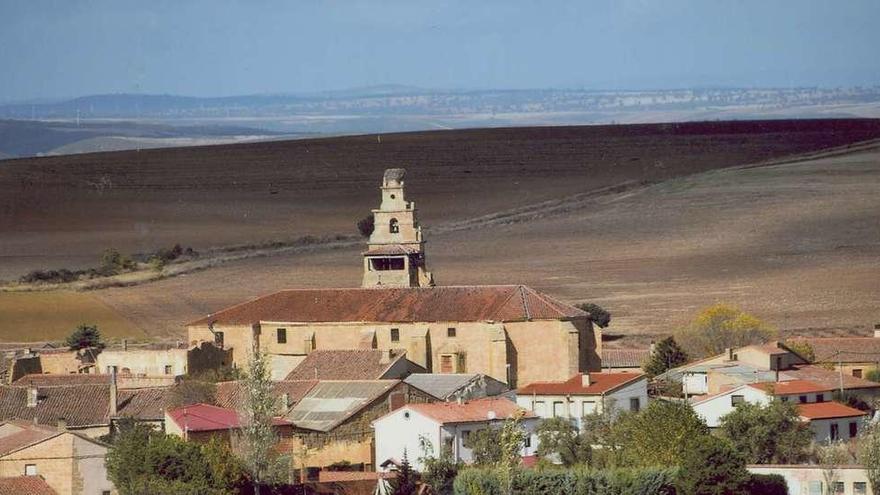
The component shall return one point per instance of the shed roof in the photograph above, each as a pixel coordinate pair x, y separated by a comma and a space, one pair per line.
330, 402
207, 417
828, 378
600, 383
407, 304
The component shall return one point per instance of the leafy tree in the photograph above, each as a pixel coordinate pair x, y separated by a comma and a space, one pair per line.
485, 445
366, 225
659, 435
513, 437
667, 355
803, 348
873, 375
869, 454
439, 472
712, 466
768, 434
720, 327
405, 483
258, 433
559, 438
832, 457
85, 336
598, 314
114, 262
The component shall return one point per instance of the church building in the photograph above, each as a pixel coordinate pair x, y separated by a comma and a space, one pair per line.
510, 332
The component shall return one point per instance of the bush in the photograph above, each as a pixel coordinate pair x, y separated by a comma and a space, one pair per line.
366, 225
873, 375
713, 467
766, 484
579, 481
598, 314
85, 336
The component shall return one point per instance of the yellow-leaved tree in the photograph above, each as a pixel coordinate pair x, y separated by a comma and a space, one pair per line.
719, 327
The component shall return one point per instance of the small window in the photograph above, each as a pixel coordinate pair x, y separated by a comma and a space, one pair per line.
838, 488
815, 488
450, 332
820, 397
857, 373
30, 469
802, 399
446, 365
218, 339
736, 400
539, 408
784, 398
466, 438
168, 369
282, 335
105, 492
558, 409
634, 404
835, 432
853, 429
112, 369
394, 226
860, 488
528, 441
395, 335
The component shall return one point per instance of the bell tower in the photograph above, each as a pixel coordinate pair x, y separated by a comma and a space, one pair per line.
395, 256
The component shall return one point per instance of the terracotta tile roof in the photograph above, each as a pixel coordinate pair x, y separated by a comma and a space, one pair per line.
207, 417
826, 410
827, 377
25, 485
600, 383
79, 405
144, 403
791, 387
624, 358
350, 364
49, 380
475, 410
419, 304
231, 394
771, 348
845, 349
25, 435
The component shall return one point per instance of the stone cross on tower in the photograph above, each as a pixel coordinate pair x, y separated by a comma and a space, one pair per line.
396, 253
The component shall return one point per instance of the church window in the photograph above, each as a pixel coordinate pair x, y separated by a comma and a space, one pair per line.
395, 335
394, 226
450, 332
282, 335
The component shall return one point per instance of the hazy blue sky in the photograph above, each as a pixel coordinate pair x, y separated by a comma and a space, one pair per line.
59, 48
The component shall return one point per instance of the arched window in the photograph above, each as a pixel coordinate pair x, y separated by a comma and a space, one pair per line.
393, 226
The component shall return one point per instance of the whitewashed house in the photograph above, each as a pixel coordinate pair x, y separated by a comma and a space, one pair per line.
828, 420
584, 394
810, 479
427, 429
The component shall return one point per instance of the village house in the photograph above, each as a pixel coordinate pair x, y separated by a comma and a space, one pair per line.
810, 479
354, 364
70, 463
585, 394
162, 360
829, 420
456, 386
511, 333
428, 429
854, 356
203, 422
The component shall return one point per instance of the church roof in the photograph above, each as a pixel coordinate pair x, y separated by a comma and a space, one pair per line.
407, 304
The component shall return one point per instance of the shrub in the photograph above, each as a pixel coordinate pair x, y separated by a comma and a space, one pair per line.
873, 375
366, 225
713, 467
578, 481
766, 484
598, 314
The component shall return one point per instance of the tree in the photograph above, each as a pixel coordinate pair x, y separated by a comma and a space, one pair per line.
659, 435
869, 454
768, 434
513, 437
712, 466
485, 445
721, 327
832, 457
405, 483
667, 355
598, 314
85, 336
366, 225
258, 433
558, 437
873, 374
802, 348
438, 472
113, 262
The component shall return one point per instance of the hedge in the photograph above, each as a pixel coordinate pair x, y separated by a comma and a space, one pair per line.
577, 481
767, 484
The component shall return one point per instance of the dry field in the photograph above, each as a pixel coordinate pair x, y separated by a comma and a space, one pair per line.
797, 243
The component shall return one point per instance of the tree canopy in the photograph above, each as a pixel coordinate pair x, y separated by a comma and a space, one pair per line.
658, 435
720, 327
560, 440
768, 434
598, 314
712, 466
85, 336
667, 355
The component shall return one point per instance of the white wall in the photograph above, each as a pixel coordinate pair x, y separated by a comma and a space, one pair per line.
822, 428
714, 408
403, 429
695, 383
799, 478
578, 406
457, 433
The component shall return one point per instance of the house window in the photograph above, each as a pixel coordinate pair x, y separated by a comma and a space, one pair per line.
820, 397
466, 438
558, 409
218, 339
30, 469
105, 492
393, 226
588, 407
384, 264
857, 373
168, 369
282, 335
815, 488
450, 332
784, 398
528, 441
802, 399
112, 369
395, 335
837, 487
538, 408
853, 429
835, 433
736, 400
634, 404
860, 488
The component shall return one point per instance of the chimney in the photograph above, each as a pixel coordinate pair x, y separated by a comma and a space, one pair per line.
585, 379
729, 352
32, 396
386, 357
62, 424
124, 344
877, 330
113, 392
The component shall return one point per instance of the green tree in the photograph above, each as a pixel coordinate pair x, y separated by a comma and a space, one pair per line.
405, 483
485, 445
659, 435
720, 327
85, 336
558, 437
869, 454
438, 472
366, 225
113, 262
832, 457
712, 466
598, 314
873, 374
803, 348
258, 433
667, 355
768, 434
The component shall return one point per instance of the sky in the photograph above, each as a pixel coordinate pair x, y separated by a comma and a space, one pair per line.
68, 48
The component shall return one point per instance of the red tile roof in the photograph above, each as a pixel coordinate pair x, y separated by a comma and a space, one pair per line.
624, 358
25, 485
600, 383
145, 403
418, 304
27, 435
475, 410
827, 410
79, 405
231, 394
51, 380
791, 387
828, 378
845, 349
349, 364
206, 417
